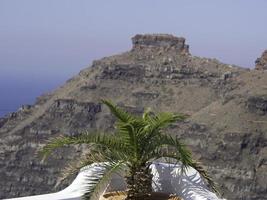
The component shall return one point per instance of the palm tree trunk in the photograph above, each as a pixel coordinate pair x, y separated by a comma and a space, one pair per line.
139, 183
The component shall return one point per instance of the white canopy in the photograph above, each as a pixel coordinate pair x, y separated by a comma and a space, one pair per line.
166, 178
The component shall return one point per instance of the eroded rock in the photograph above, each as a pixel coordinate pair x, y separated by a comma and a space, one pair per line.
163, 42
258, 104
261, 63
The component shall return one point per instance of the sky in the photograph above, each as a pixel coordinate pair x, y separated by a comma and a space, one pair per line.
45, 42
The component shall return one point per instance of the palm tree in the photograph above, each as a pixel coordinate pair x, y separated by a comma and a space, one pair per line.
136, 142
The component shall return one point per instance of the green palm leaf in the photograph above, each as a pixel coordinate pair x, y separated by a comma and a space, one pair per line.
74, 167
137, 141
180, 148
101, 176
108, 141
119, 113
197, 166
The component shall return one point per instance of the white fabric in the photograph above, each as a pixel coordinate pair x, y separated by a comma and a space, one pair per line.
190, 186
166, 178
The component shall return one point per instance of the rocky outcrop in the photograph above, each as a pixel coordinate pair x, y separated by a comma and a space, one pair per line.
3, 121
160, 42
258, 104
261, 63
226, 130
125, 72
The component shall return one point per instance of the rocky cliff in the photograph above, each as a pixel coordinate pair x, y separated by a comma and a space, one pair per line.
227, 128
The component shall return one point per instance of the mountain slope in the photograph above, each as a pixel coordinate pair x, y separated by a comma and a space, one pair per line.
227, 128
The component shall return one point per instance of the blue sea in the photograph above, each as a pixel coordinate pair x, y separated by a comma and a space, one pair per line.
19, 89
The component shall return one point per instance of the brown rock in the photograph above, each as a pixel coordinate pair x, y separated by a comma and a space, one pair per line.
261, 63
164, 42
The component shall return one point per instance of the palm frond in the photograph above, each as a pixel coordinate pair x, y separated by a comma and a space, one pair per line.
53, 144
119, 113
137, 141
194, 164
164, 119
160, 121
211, 183
100, 176
157, 154
185, 156
146, 113
179, 148
125, 131
108, 141
75, 166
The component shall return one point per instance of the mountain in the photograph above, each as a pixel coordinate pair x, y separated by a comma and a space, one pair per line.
226, 130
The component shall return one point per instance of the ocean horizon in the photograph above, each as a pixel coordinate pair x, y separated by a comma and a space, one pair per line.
23, 89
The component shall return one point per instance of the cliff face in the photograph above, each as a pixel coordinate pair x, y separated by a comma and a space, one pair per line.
227, 128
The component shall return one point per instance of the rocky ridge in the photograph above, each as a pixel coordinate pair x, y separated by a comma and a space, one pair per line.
227, 128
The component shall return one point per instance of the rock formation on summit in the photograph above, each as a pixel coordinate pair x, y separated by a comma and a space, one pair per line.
160, 42
261, 63
227, 127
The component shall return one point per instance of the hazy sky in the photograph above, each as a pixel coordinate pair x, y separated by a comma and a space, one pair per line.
45, 42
